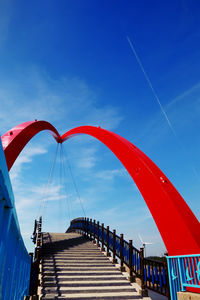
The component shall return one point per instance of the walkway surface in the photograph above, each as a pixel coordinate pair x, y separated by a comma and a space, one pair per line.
74, 268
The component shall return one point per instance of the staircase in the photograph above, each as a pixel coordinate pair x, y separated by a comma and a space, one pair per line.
72, 267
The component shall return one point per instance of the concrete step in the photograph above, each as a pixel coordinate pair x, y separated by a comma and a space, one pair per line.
89, 289
74, 268
82, 266
89, 256
104, 296
94, 296
99, 259
84, 278
92, 273
76, 262
87, 283
67, 247
75, 254
80, 250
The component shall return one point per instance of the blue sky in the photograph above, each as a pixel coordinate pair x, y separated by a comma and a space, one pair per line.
69, 62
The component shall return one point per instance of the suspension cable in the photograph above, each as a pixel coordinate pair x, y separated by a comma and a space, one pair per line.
63, 183
42, 203
74, 182
60, 190
66, 186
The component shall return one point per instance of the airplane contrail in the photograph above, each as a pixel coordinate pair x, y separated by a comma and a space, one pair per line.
150, 85
159, 103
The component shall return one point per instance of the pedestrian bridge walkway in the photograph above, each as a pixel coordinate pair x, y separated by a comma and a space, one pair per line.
72, 267
69, 264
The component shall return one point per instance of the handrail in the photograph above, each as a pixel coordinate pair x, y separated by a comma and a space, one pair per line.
37, 240
153, 274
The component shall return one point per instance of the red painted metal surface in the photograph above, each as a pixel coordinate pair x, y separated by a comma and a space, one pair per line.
16, 139
177, 224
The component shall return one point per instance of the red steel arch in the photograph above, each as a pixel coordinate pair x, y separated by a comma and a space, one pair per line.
16, 138
176, 222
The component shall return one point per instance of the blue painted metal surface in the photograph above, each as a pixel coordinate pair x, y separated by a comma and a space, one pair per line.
184, 271
15, 262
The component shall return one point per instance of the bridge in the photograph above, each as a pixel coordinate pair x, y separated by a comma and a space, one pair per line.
78, 264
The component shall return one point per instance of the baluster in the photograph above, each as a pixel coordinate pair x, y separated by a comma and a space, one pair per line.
80, 226
122, 268
114, 247
98, 234
87, 228
160, 278
144, 291
167, 279
91, 229
108, 253
102, 241
153, 274
131, 277
84, 227
94, 241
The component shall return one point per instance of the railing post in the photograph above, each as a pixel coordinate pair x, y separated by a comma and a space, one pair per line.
38, 239
98, 234
80, 226
84, 227
102, 242
94, 241
131, 278
167, 278
107, 244
144, 291
114, 247
87, 227
91, 229
122, 268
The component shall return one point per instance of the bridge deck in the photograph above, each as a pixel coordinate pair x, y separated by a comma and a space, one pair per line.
74, 268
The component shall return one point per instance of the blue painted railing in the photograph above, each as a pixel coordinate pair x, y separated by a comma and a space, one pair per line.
184, 272
15, 262
153, 274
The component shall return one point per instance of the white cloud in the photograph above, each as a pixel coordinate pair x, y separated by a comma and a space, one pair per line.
48, 193
25, 157
110, 174
66, 103
87, 158
106, 117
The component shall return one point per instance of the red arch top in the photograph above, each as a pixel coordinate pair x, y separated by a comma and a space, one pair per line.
177, 224
16, 139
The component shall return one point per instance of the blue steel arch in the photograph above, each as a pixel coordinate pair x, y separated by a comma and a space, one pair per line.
15, 262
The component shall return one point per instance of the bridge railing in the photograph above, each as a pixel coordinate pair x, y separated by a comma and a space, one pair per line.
37, 240
153, 274
184, 273
15, 262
